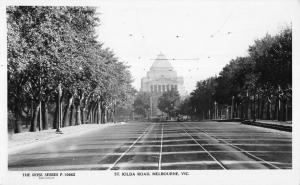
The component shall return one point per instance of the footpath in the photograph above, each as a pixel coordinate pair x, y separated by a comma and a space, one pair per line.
274, 124
26, 140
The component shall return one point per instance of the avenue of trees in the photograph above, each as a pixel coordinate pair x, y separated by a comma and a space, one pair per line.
57, 71
258, 86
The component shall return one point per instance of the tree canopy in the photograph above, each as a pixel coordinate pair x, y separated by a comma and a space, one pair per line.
169, 102
48, 46
142, 103
265, 75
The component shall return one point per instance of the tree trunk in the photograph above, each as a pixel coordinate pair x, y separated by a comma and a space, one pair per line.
276, 109
279, 109
55, 117
108, 116
103, 115
114, 114
34, 119
17, 122
284, 103
89, 112
77, 115
66, 111
71, 115
251, 110
82, 112
254, 108
99, 112
95, 113
92, 113
268, 109
262, 108
78, 111
45, 115
258, 107
40, 122
28, 116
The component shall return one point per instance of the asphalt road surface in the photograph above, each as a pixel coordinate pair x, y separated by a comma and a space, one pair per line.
163, 146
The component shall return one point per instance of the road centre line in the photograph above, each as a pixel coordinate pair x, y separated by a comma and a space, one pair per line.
206, 150
258, 158
161, 145
129, 147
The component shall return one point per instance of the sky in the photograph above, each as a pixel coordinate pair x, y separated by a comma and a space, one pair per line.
207, 33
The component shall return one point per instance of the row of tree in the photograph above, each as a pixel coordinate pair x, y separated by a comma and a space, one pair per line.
258, 86
58, 71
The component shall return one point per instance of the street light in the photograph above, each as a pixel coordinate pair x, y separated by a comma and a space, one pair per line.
227, 115
215, 110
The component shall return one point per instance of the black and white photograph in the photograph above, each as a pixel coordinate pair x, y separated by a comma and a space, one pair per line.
150, 89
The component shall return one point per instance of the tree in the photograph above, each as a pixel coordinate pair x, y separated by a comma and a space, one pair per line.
255, 82
52, 46
273, 66
185, 107
141, 103
169, 102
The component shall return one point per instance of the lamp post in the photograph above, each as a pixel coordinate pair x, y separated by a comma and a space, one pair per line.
227, 114
59, 110
215, 110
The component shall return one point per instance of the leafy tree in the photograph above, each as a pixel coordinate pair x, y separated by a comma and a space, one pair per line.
202, 98
141, 103
48, 46
186, 107
258, 81
169, 102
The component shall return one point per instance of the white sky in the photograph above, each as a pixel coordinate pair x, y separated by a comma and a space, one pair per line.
138, 31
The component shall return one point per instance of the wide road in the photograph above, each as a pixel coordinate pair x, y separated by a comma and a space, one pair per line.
163, 146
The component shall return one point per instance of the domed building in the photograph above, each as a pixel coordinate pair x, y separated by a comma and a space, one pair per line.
160, 78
